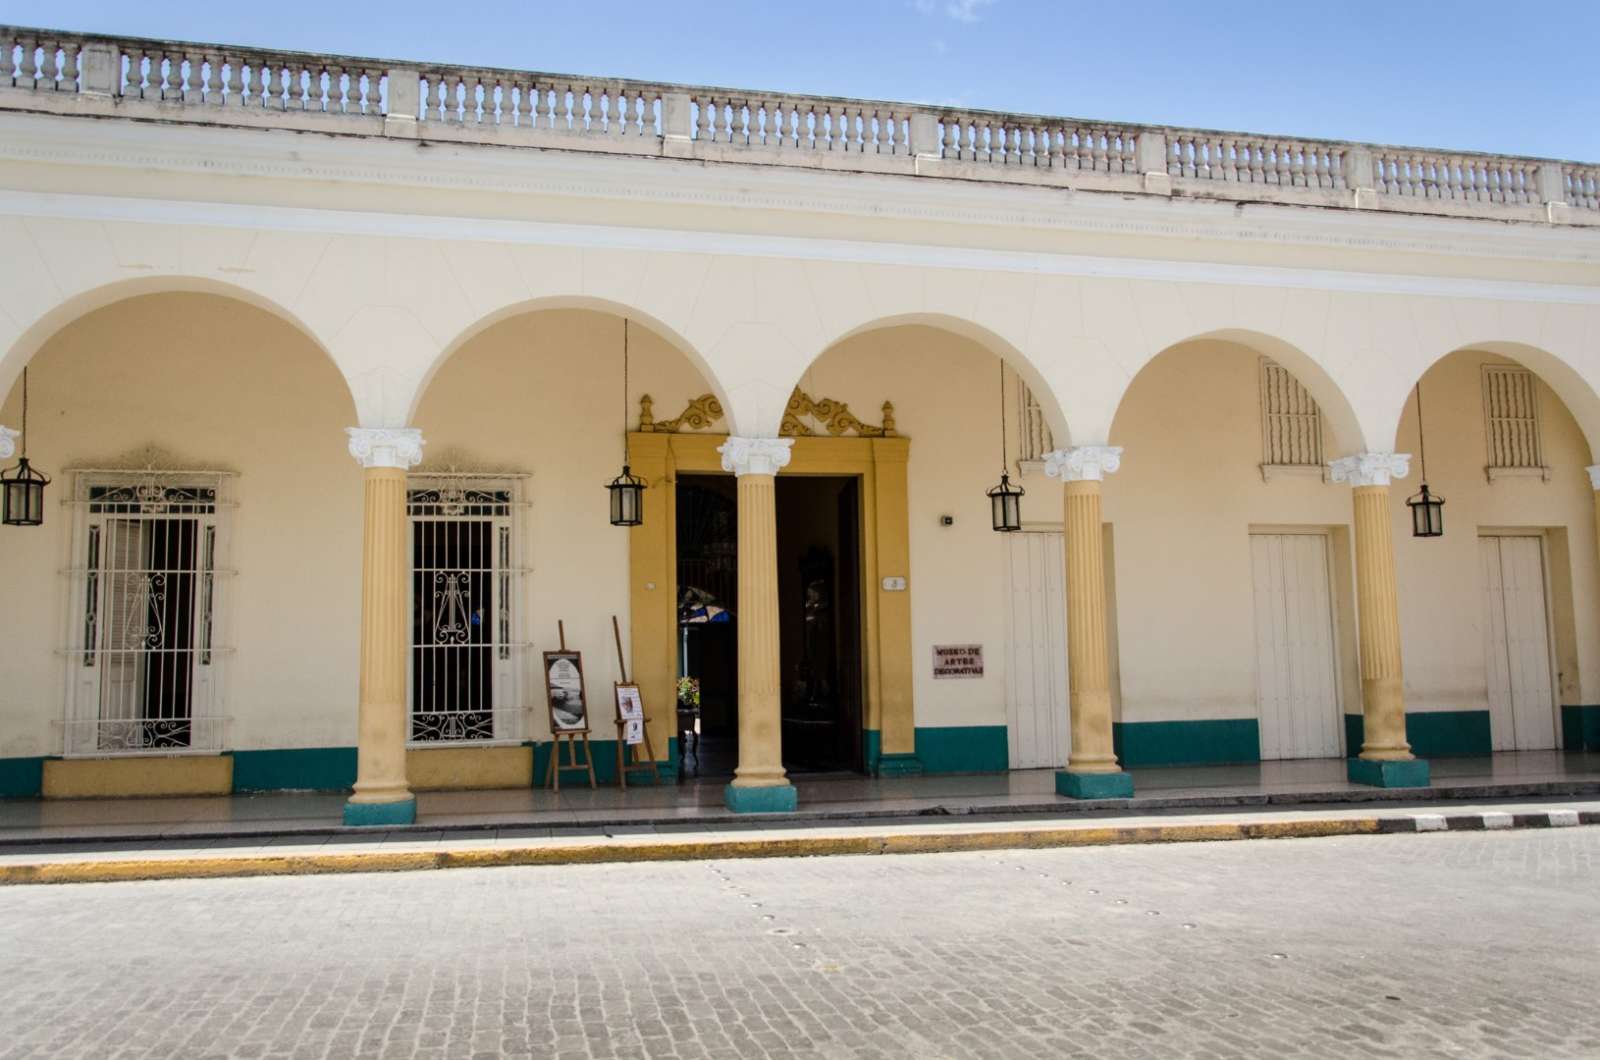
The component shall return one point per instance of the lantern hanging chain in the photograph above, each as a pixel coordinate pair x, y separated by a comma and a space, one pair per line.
624, 392
1003, 469
24, 413
1422, 442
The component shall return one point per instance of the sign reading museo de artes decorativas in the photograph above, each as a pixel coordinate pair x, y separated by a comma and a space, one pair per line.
958, 660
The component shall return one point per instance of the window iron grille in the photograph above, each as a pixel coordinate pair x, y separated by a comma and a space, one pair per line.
467, 659
1034, 437
147, 599
1511, 421
1291, 422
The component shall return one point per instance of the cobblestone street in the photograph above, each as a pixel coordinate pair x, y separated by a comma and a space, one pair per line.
1459, 944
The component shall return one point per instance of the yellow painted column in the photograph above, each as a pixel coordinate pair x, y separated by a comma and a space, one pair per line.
1386, 759
382, 796
896, 721
759, 784
1092, 769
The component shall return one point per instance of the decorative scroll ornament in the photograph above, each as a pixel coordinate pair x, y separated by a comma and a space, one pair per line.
833, 417
1083, 463
397, 447
755, 456
1370, 469
8, 442
702, 412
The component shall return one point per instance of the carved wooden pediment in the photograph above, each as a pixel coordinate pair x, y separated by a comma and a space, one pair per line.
831, 417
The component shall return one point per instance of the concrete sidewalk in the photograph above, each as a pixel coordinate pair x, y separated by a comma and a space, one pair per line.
364, 852
697, 804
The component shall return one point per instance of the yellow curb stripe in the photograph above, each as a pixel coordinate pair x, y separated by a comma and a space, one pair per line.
671, 850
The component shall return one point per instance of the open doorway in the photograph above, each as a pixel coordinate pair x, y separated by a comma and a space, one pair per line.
819, 620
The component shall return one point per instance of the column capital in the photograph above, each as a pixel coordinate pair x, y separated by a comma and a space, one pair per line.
397, 447
755, 456
1370, 469
8, 443
1593, 469
1092, 462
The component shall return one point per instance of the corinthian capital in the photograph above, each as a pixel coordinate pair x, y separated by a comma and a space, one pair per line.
8, 442
1091, 462
755, 456
398, 447
1370, 469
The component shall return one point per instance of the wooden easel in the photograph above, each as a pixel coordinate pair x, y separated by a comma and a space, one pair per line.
628, 760
569, 737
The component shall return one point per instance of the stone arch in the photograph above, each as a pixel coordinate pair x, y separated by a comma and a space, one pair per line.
1009, 352
672, 336
1342, 429
1575, 391
34, 335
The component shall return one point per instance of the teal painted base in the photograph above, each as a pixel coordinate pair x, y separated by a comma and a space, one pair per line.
1094, 785
1580, 728
871, 750
899, 766
964, 749
21, 778
1411, 774
1433, 734
370, 814
779, 798
1211, 742
295, 769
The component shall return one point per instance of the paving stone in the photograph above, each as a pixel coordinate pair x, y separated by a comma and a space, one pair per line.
1458, 943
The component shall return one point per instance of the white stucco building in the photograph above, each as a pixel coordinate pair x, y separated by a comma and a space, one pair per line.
216, 260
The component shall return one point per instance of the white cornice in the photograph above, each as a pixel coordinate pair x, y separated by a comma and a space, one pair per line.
290, 155
666, 240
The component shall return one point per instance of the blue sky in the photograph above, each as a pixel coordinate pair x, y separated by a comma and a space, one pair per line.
1466, 74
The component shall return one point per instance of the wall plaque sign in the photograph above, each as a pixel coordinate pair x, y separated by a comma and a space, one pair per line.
957, 660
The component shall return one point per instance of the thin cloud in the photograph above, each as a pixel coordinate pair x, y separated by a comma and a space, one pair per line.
967, 10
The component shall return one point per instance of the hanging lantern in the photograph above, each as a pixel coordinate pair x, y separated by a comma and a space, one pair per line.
627, 489
1427, 514
1005, 502
22, 487
1427, 511
627, 499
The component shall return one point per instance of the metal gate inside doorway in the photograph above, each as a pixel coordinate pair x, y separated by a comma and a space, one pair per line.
464, 577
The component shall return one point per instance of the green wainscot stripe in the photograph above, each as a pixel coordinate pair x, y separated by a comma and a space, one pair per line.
963, 749
1434, 734
21, 778
871, 749
295, 769
1212, 742
605, 765
1580, 728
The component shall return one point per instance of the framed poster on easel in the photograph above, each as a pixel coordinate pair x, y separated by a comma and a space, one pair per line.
632, 731
569, 711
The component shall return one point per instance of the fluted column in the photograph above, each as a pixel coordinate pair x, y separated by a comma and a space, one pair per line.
382, 795
1092, 770
1386, 759
759, 784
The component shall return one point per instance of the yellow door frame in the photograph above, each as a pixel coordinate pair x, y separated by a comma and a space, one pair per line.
880, 466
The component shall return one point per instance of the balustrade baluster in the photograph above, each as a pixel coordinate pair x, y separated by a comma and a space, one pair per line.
70, 70
27, 62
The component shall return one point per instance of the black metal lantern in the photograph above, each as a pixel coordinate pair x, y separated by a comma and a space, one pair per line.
1427, 514
1005, 500
1427, 510
1005, 503
627, 489
22, 487
627, 498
